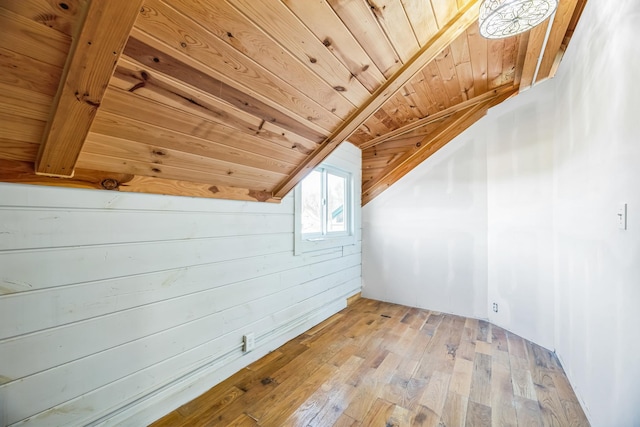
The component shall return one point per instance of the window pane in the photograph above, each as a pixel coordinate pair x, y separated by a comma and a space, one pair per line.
336, 190
312, 203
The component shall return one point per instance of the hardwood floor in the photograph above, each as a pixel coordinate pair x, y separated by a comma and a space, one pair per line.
381, 364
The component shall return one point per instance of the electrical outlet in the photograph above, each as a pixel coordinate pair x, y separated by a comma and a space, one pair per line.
495, 307
248, 342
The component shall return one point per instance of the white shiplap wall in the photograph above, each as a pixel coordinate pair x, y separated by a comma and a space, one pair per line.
116, 307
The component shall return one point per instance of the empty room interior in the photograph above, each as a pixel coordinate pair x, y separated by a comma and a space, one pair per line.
319, 213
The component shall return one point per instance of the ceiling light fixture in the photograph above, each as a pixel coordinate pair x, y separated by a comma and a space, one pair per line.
505, 18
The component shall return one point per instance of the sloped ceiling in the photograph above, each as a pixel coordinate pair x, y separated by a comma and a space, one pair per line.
239, 99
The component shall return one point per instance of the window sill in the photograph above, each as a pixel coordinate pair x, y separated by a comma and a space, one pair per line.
319, 243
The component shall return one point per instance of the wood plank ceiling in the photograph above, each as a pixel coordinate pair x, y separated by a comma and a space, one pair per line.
239, 99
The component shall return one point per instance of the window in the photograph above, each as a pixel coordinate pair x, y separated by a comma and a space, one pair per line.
324, 210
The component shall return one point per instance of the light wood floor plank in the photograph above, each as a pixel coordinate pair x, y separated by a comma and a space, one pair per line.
382, 364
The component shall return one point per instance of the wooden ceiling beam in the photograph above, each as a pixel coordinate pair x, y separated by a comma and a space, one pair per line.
577, 13
92, 59
428, 146
564, 16
437, 116
445, 36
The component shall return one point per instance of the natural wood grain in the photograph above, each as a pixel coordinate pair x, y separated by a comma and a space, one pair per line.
561, 21
25, 103
276, 19
425, 55
533, 52
449, 76
436, 117
195, 103
481, 380
155, 59
27, 73
509, 61
327, 26
454, 412
478, 47
361, 368
21, 172
197, 135
437, 88
364, 27
19, 128
226, 162
293, 86
451, 127
462, 60
423, 21
59, 15
201, 173
37, 41
577, 12
18, 150
478, 415
521, 57
495, 52
91, 62
273, 85
393, 20
503, 411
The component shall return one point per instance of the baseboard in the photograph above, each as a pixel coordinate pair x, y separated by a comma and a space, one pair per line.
164, 399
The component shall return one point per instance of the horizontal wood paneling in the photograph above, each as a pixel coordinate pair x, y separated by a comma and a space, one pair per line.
171, 128
209, 54
133, 296
27, 73
62, 16
30, 38
273, 17
336, 37
143, 86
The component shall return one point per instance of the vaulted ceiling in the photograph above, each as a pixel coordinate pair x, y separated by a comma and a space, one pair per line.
239, 99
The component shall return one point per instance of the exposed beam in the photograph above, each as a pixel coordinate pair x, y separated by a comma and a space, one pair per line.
91, 62
428, 146
447, 34
568, 35
437, 116
23, 173
563, 18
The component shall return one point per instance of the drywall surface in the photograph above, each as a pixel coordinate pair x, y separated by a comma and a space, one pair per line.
116, 308
520, 141
559, 160
425, 239
596, 168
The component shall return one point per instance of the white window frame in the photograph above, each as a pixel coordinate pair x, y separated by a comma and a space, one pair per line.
317, 241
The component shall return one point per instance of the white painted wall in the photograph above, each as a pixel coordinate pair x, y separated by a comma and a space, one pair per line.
520, 257
117, 308
559, 160
597, 166
425, 239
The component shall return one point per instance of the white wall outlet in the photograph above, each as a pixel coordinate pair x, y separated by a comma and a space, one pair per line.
622, 216
248, 342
